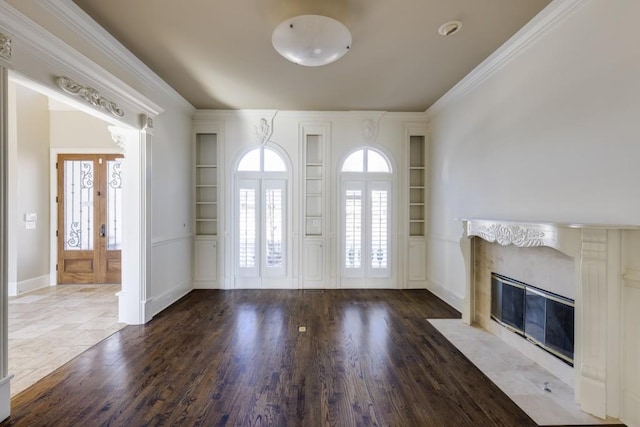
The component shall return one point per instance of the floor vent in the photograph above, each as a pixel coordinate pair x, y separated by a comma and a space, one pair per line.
314, 291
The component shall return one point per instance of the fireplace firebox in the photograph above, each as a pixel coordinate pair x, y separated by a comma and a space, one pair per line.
542, 317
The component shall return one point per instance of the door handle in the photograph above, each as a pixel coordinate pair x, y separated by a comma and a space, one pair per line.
102, 230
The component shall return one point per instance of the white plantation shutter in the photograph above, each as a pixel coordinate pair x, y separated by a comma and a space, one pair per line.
247, 226
353, 229
273, 233
379, 229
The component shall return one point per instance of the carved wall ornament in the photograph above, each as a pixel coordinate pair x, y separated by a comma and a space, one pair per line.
5, 46
512, 235
119, 136
369, 130
264, 130
146, 123
90, 95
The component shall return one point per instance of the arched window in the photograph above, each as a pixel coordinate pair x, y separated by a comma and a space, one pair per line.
261, 200
366, 214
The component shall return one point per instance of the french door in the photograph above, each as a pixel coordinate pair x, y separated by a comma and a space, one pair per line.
366, 229
260, 232
89, 218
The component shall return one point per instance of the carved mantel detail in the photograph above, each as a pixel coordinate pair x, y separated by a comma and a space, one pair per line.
89, 95
5, 46
512, 235
522, 235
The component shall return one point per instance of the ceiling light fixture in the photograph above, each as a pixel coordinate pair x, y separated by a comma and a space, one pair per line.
311, 40
449, 28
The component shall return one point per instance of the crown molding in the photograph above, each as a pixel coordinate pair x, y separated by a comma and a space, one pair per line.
544, 22
81, 23
31, 38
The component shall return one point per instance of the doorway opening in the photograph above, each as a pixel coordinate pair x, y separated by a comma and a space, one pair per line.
366, 219
261, 211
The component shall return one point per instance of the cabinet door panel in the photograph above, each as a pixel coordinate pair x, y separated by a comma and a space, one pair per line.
417, 260
206, 260
313, 261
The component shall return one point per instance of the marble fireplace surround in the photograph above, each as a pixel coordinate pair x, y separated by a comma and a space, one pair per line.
594, 251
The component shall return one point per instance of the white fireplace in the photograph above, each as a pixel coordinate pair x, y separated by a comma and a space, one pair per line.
577, 261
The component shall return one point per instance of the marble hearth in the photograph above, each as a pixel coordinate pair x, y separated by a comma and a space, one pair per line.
581, 262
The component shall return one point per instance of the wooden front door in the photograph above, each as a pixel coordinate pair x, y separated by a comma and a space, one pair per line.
89, 218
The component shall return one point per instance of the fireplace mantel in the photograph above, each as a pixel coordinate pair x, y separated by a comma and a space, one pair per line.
595, 250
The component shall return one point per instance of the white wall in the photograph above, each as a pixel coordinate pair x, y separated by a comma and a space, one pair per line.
32, 183
551, 135
171, 207
76, 129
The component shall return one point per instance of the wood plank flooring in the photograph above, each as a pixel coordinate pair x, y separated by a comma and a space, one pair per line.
227, 358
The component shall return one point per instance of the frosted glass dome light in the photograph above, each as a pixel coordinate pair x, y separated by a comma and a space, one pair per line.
311, 40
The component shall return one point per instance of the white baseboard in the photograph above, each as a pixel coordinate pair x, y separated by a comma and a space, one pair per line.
205, 284
445, 295
416, 284
159, 303
18, 288
5, 397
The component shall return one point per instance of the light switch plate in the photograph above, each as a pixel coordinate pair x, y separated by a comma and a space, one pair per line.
30, 216
30, 225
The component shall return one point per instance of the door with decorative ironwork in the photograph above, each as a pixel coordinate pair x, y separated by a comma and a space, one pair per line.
89, 218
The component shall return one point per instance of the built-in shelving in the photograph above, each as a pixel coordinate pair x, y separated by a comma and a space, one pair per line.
314, 184
417, 180
206, 182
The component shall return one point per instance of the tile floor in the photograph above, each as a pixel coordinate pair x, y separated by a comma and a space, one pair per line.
48, 327
517, 376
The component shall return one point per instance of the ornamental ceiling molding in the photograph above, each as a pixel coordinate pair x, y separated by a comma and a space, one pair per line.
542, 24
89, 95
5, 47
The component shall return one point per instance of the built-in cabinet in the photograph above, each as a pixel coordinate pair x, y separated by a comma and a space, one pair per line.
314, 158
416, 154
206, 196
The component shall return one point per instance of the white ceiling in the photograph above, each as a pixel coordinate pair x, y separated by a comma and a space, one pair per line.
218, 53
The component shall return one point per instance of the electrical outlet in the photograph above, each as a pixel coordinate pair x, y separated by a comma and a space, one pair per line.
302, 329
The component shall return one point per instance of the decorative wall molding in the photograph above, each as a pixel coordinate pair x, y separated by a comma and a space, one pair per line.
166, 240
119, 136
146, 123
79, 22
38, 42
89, 95
369, 130
5, 47
549, 18
264, 129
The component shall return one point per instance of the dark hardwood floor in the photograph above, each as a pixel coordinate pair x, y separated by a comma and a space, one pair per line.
227, 358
